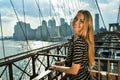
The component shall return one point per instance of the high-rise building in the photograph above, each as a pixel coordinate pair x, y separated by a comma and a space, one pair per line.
52, 27
44, 31
96, 23
22, 31
64, 28
38, 33
62, 21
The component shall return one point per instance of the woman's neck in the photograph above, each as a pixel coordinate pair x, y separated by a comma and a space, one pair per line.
75, 37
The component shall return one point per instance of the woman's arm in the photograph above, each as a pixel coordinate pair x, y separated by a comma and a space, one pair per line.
60, 63
70, 70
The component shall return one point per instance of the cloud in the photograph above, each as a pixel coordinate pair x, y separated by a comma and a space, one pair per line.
30, 7
68, 8
109, 11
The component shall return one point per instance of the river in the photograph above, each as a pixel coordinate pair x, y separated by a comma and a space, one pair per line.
12, 47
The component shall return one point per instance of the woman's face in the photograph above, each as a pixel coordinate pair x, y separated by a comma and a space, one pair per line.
79, 24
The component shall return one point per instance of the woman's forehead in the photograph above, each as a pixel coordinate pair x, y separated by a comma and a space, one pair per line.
81, 16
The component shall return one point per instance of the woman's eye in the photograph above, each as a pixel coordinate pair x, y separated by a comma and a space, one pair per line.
82, 21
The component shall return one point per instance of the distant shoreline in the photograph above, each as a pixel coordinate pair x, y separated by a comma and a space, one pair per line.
6, 38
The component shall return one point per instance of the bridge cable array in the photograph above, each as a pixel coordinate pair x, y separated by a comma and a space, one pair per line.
118, 17
3, 46
42, 18
2, 37
24, 33
100, 13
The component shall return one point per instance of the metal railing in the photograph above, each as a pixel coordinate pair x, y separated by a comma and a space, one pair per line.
27, 65
107, 69
30, 64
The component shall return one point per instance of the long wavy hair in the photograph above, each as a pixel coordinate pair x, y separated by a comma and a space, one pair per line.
87, 33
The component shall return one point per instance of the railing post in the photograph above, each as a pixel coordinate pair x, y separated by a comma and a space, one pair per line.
58, 59
33, 68
65, 49
118, 70
108, 69
50, 76
10, 71
56, 74
48, 64
98, 69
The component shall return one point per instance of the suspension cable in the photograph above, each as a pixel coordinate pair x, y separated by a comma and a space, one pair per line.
79, 3
25, 24
40, 15
24, 11
24, 17
2, 37
63, 9
73, 7
37, 3
20, 25
54, 10
100, 14
3, 43
118, 17
76, 3
58, 9
65, 18
69, 8
67, 3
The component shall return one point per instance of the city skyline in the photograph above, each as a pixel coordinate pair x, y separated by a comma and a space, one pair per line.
109, 10
45, 32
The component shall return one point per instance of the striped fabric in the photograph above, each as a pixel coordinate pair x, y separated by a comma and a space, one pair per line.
78, 54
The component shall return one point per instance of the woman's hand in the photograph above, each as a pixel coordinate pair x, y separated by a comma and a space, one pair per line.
70, 70
52, 67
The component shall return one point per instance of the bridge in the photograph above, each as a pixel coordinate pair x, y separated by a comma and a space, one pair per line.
35, 62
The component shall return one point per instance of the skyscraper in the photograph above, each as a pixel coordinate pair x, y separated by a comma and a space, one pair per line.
62, 21
96, 23
52, 27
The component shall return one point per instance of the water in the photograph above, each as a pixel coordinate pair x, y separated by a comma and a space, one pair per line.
14, 47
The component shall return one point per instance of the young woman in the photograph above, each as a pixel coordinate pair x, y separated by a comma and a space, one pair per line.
81, 50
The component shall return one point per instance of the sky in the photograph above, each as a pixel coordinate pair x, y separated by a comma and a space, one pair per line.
52, 9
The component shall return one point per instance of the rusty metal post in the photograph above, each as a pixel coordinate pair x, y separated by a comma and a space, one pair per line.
58, 59
99, 69
108, 69
118, 70
65, 50
48, 64
50, 76
10, 71
33, 66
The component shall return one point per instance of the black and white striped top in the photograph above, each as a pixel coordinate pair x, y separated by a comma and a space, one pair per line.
78, 54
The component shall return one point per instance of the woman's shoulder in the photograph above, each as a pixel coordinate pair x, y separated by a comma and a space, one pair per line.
81, 42
80, 38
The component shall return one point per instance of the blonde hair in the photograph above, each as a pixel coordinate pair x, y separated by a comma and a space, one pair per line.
87, 33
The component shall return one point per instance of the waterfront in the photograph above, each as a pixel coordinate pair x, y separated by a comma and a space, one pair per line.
43, 21
14, 47
21, 66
